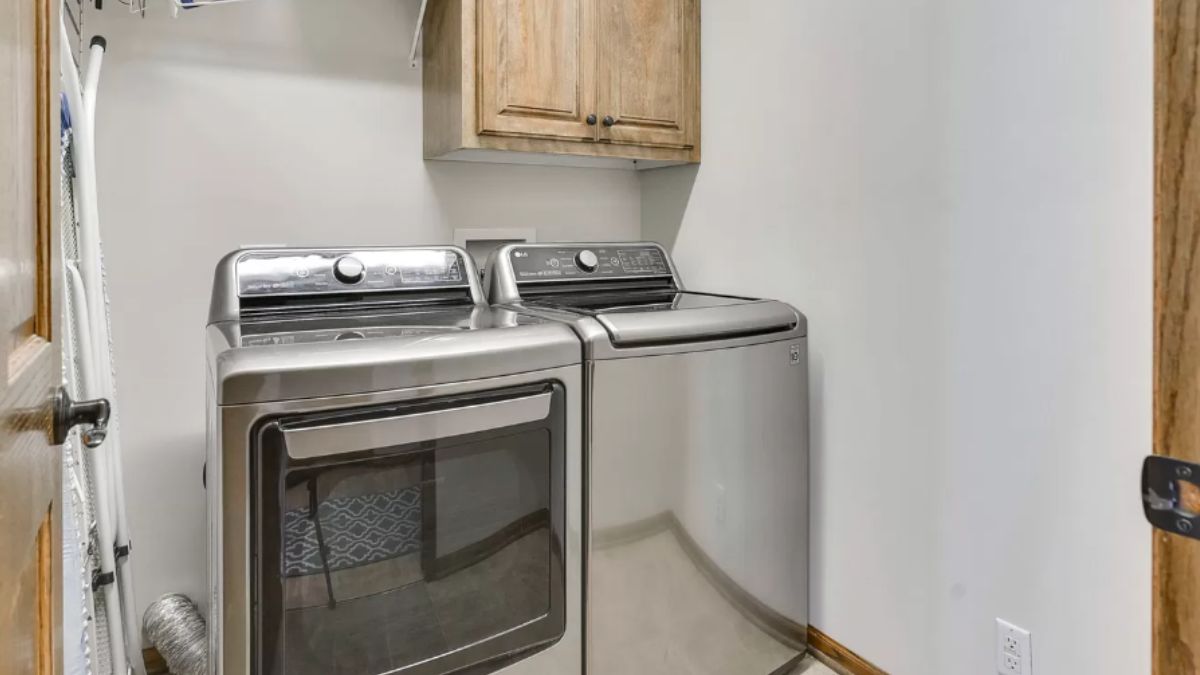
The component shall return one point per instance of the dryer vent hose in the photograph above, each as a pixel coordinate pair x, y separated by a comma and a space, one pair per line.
175, 627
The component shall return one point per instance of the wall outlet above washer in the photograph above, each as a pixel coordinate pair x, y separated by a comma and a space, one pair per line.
480, 242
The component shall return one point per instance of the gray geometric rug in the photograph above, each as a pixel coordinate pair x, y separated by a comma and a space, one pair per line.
358, 531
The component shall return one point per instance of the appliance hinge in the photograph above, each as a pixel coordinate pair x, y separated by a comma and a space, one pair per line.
1171, 495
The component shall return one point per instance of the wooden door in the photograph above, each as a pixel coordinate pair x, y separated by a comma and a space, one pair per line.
30, 551
536, 68
649, 58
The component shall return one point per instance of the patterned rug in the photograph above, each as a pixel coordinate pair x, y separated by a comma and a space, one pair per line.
358, 531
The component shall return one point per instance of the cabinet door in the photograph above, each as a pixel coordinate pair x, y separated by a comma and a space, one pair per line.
537, 68
649, 65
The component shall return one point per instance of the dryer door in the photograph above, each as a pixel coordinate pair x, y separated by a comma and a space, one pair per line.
420, 538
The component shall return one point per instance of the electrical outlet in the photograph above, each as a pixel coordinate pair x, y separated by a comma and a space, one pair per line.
1014, 650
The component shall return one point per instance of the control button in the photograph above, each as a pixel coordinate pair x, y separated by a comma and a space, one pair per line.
349, 270
586, 261
553, 262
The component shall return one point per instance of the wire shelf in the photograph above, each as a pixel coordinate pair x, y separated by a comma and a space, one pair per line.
139, 6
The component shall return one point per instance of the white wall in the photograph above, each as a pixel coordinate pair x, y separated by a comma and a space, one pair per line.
269, 122
958, 195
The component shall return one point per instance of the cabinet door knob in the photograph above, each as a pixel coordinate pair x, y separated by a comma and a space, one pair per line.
591, 120
609, 121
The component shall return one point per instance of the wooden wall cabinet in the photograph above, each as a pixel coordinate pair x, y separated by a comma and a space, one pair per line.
579, 82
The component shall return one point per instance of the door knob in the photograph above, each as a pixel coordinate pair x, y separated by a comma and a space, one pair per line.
609, 121
591, 120
69, 414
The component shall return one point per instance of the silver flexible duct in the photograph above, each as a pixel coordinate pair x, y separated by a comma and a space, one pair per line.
175, 627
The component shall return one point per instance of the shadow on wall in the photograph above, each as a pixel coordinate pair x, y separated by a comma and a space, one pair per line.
561, 203
665, 196
159, 568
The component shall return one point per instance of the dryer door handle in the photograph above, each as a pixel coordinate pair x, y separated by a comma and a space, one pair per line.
338, 438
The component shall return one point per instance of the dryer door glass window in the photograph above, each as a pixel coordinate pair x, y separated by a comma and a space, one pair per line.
417, 538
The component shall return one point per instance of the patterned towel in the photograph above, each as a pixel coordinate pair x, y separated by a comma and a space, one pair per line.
358, 531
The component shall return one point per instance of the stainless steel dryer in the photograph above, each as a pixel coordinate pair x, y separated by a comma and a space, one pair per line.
696, 459
393, 470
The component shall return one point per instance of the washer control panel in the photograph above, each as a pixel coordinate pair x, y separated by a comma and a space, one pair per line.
583, 262
281, 273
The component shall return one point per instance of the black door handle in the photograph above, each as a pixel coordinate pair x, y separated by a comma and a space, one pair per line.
591, 120
69, 414
609, 121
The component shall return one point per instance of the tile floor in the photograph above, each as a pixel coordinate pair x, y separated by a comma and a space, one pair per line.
811, 666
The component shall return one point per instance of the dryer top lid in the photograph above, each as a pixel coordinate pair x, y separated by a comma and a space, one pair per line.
633, 291
279, 359
637, 318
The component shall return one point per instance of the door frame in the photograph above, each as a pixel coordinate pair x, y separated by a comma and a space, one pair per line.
1176, 580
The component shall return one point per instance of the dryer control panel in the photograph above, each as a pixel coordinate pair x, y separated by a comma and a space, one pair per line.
588, 262
317, 272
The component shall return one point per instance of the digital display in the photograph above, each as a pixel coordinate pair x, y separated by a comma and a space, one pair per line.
578, 263
642, 261
427, 269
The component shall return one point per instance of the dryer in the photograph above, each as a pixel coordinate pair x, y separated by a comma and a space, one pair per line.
393, 470
696, 459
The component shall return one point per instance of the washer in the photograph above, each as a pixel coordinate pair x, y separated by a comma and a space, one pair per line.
394, 470
696, 459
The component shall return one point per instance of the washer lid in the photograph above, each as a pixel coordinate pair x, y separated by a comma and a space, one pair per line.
667, 316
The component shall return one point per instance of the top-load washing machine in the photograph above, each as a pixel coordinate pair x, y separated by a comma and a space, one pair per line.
393, 470
696, 459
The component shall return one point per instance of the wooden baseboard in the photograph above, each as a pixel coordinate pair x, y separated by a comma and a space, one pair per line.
835, 655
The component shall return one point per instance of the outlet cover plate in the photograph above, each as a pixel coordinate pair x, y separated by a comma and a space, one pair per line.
1014, 649
480, 242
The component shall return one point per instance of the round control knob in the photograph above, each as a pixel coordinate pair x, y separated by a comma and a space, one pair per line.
349, 270
586, 261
